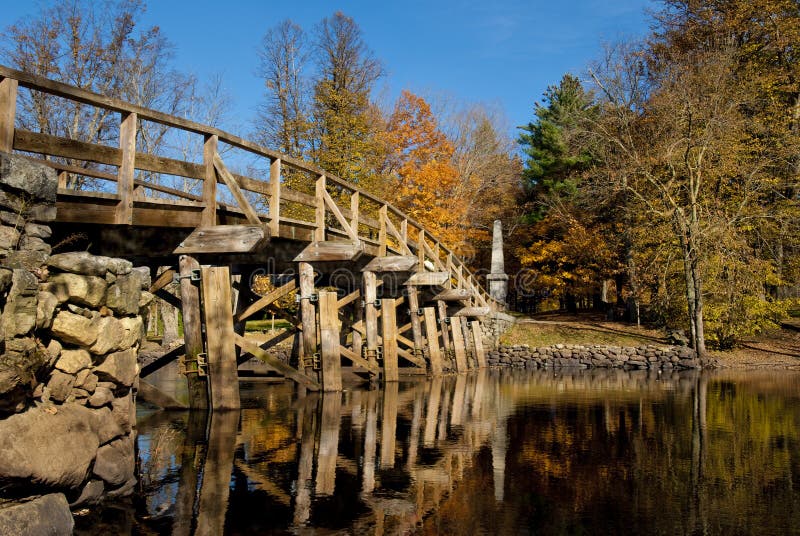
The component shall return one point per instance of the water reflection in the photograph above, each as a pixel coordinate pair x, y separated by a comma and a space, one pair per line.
498, 452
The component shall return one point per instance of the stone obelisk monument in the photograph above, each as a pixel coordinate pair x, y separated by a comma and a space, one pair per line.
498, 280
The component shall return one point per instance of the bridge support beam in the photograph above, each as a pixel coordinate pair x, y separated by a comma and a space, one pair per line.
222, 366
480, 355
371, 316
192, 332
331, 357
448, 348
432, 334
389, 323
308, 316
458, 344
416, 322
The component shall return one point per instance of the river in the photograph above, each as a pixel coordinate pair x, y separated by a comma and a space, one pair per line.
495, 452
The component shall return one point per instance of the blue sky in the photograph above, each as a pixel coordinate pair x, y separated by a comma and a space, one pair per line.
501, 52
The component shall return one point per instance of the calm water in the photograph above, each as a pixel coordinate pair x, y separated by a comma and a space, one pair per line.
492, 453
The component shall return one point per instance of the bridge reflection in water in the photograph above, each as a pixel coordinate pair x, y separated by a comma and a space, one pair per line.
490, 452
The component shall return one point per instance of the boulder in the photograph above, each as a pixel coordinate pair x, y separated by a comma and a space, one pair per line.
60, 385
32, 243
115, 463
133, 331
75, 329
101, 397
123, 411
45, 309
9, 237
82, 289
38, 230
86, 380
105, 425
26, 259
72, 361
79, 262
19, 313
48, 445
124, 294
37, 181
119, 367
48, 515
111, 334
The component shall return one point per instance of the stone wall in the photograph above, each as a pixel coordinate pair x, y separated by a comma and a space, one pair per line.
69, 337
595, 356
493, 326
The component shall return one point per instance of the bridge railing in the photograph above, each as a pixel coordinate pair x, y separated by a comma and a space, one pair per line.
295, 195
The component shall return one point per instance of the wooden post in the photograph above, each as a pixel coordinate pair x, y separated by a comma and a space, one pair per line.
308, 317
480, 354
421, 251
389, 425
222, 367
275, 197
192, 332
458, 344
127, 143
416, 324
442, 305
209, 216
8, 113
329, 336
319, 210
358, 316
389, 323
383, 214
328, 443
371, 315
354, 211
431, 332
469, 344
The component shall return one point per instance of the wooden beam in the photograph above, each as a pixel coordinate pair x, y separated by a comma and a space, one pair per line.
389, 323
233, 186
166, 277
308, 316
161, 361
222, 366
442, 309
267, 344
319, 210
209, 217
414, 310
127, 167
275, 197
391, 263
454, 294
330, 250
224, 239
168, 297
370, 314
275, 364
354, 211
411, 358
477, 337
350, 298
473, 311
331, 204
8, 113
383, 211
329, 341
400, 240
458, 344
428, 279
432, 335
266, 300
192, 332
359, 361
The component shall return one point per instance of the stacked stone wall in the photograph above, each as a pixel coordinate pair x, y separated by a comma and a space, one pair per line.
595, 356
69, 337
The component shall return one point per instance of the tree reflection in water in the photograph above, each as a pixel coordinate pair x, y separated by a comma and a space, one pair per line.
495, 452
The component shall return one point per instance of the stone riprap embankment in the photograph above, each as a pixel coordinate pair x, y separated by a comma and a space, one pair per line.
594, 356
69, 336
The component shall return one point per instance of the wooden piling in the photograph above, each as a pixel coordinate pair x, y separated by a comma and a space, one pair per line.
431, 332
222, 367
308, 317
192, 332
458, 345
442, 308
389, 323
371, 315
329, 337
416, 323
477, 336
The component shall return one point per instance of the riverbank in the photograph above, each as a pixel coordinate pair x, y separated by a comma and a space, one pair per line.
777, 350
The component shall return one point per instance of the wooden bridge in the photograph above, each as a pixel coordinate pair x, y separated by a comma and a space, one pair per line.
374, 289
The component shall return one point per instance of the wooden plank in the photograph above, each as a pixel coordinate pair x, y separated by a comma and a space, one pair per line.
222, 367
359, 361
233, 186
454, 294
421, 251
308, 316
275, 364
428, 279
354, 211
329, 341
370, 313
477, 337
389, 323
266, 300
391, 263
382, 231
473, 312
414, 310
265, 345
350, 298
161, 361
209, 218
432, 335
8, 113
127, 166
166, 277
224, 239
411, 358
400, 240
330, 251
442, 310
168, 297
275, 197
458, 344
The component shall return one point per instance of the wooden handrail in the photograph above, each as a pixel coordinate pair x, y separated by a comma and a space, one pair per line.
127, 160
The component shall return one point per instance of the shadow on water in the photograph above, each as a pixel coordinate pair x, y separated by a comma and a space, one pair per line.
495, 452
